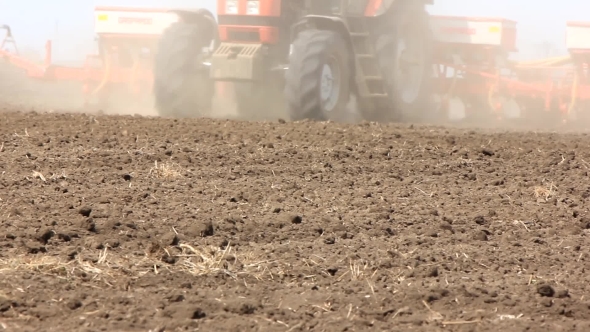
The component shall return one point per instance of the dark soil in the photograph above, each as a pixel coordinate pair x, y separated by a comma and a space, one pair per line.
114, 223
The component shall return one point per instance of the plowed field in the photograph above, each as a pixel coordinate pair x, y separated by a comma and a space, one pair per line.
121, 223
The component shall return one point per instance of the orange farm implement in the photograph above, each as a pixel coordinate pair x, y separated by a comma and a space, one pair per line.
475, 79
473, 75
126, 40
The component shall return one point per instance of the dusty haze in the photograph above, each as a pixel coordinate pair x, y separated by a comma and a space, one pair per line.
70, 26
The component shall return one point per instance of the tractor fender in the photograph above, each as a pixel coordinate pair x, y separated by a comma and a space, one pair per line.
394, 6
322, 22
195, 15
202, 18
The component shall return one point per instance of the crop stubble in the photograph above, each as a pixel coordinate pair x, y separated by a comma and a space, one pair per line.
122, 223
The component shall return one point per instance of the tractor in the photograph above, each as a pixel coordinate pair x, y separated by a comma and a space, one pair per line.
311, 55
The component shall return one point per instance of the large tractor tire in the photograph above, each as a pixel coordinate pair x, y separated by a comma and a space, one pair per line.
317, 83
404, 50
182, 87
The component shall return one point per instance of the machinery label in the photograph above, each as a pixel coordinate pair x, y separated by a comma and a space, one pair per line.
457, 30
136, 20
132, 22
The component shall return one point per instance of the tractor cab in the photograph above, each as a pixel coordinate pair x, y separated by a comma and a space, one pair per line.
314, 54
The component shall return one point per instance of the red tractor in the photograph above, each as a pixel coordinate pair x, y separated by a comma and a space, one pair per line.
313, 55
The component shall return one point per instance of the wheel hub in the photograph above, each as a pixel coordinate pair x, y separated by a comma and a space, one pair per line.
456, 110
330, 85
410, 65
511, 109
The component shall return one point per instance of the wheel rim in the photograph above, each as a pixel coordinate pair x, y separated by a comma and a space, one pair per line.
511, 109
437, 101
410, 64
330, 85
456, 109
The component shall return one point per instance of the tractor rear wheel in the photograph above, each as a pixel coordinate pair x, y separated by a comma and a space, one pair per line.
317, 83
404, 50
182, 87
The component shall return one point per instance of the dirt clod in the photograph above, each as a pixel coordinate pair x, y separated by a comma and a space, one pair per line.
88, 224
480, 220
45, 235
204, 229
295, 219
176, 298
74, 304
34, 247
198, 314
5, 304
85, 211
545, 290
480, 236
308, 226
432, 272
487, 152
170, 239
562, 293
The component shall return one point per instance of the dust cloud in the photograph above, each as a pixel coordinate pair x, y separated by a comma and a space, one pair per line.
21, 92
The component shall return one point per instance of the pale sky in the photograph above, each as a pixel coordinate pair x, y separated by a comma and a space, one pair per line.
70, 22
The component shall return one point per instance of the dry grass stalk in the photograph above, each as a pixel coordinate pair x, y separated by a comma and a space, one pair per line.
433, 315
52, 266
545, 192
167, 170
357, 272
107, 265
200, 261
39, 175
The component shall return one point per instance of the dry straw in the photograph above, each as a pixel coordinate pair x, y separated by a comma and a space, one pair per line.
167, 170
